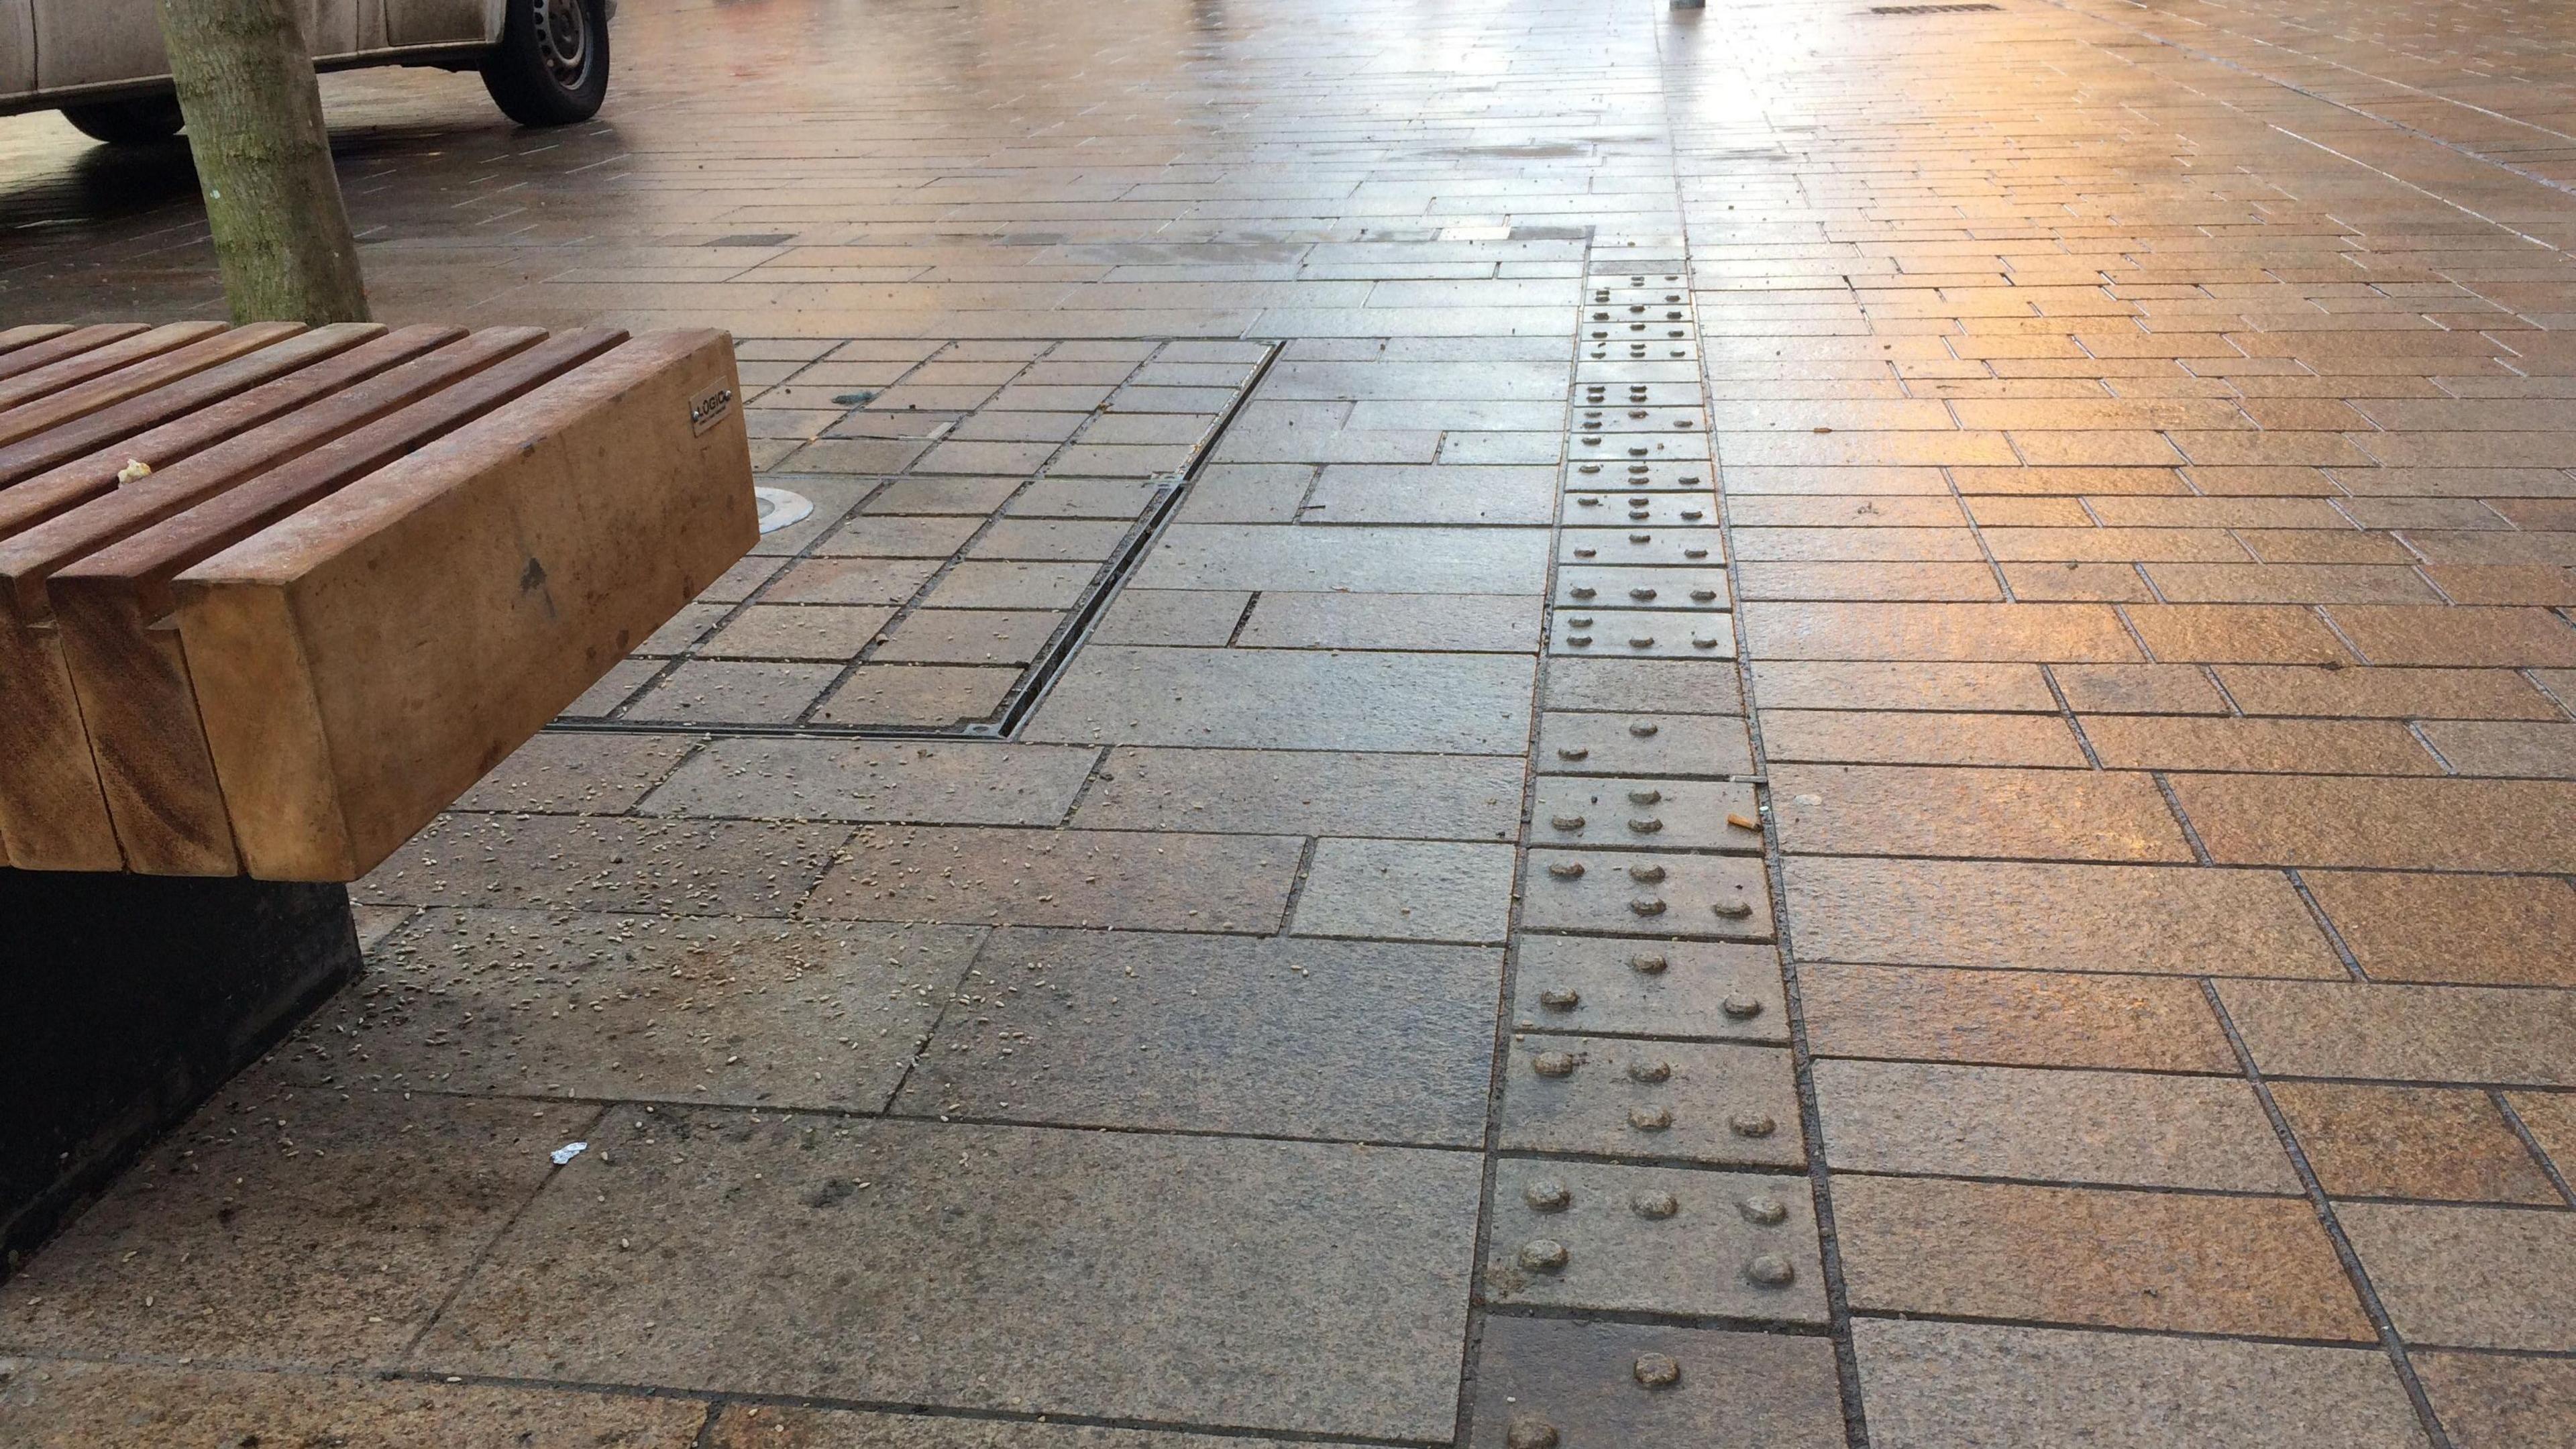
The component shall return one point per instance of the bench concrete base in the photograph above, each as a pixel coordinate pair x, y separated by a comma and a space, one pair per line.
125, 1001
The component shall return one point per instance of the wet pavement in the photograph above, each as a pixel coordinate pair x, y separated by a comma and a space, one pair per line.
1519, 725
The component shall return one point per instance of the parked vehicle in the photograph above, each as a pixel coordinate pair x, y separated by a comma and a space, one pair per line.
100, 62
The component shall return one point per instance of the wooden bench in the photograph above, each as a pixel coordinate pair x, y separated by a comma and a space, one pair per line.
271, 597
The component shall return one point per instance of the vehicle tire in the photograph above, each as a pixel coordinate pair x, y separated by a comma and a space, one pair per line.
136, 122
551, 67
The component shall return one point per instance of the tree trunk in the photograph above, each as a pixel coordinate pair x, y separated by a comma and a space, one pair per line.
254, 116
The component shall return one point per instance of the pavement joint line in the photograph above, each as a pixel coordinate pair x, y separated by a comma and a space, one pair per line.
2539, 1156
483, 1252
1819, 1172
2359, 1276
2325, 925
1507, 978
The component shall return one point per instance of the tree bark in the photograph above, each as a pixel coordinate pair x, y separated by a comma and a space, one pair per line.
254, 114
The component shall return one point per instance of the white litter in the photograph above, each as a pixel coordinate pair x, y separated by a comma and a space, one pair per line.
568, 1152
134, 468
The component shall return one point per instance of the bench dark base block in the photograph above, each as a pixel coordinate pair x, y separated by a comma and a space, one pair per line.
125, 1001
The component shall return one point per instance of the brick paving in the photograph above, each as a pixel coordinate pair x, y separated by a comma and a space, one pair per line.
1869, 737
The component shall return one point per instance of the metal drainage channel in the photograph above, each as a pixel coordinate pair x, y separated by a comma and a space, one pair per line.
1034, 680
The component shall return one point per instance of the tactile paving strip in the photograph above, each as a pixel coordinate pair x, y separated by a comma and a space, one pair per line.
1649, 1105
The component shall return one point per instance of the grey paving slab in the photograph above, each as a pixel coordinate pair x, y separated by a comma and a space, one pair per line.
1720, 1103
2490, 1401
688, 867
1664, 746
1642, 685
65, 1404
622, 680
319, 1228
2407, 1033
961, 495
1122, 880
755, 1426
1416, 890
832, 498
1610, 1238
1247, 493
1614, 812
714, 691
1119, 498
835, 632
2120, 1128
865, 580
968, 636
1200, 618
1988, 1386
1290, 700
1590, 633
1367, 1041
584, 774
1307, 792
1019, 1269
1648, 988
1607, 542
1680, 509
1493, 623
977, 584
596, 1005
925, 781
871, 536
2469, 1277
1443, 494
1569, 1382
1642, 588
1632, 893
1596, 475
682, 631
935, 695
1319, 558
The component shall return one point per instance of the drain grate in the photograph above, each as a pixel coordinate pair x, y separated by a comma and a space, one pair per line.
995, 718
1928, 9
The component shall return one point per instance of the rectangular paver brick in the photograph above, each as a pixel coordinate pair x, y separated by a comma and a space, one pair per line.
2407, 1033
1121, 880
2443, 1143
2118, 1128
1912, 811
1369, 1041
927, 782
1991, 1386
2016, 1018
1124, 1247
2469, 1277
2093, 1256
2049, 916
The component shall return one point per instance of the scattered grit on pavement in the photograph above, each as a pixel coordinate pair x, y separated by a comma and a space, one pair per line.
1522, 724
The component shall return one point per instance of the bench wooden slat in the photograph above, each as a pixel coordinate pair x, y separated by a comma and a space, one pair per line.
555, 533
34, 499
137, 378
176, 398
13, 338
53, 814
41, 382
68, 342
126, 664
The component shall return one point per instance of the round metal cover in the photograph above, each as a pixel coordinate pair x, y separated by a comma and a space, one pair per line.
780, 508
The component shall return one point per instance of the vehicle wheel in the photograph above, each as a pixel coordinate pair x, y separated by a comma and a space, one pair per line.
551, 67
127, 123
